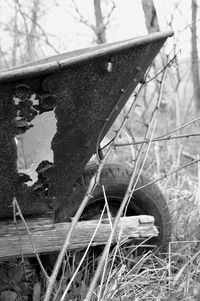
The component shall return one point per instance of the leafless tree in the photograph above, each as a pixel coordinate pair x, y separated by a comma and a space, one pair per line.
30, 26
194, 57
101, 21
27, 39
150, 16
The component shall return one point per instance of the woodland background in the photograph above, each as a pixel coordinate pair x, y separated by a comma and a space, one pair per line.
30, 30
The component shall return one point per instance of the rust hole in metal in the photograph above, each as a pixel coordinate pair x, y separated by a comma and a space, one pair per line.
35, 127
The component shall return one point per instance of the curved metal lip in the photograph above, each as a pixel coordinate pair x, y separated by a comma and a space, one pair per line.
57, 63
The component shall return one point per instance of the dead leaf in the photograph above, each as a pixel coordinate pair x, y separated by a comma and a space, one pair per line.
16, 273
84, 290
8, 296
36, 291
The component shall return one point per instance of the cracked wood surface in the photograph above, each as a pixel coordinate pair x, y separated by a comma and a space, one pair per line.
49, 236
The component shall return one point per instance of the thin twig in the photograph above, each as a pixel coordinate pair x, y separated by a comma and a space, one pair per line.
17, 229
166, 66
23, 17
168, 134
179, 128
126, 200
166, 175
108, 244
158, 139
136, 181
44, 35
188, 25
107, 206
62, 253
106, 259
15, 204
82, 19
109, 14
92, 185
84, 255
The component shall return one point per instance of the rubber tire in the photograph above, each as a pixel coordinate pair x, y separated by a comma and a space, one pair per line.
115, 179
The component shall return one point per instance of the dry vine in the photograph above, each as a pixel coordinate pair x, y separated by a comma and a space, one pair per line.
95, 181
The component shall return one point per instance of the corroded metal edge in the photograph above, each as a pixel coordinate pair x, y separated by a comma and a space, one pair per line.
59, 62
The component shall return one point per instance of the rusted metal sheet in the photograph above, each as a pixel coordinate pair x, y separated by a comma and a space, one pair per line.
53, 112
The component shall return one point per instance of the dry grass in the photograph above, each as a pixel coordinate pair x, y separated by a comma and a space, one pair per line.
172, 276
176, 274
151, 276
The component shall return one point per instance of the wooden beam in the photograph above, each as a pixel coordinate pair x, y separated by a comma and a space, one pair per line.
48, 236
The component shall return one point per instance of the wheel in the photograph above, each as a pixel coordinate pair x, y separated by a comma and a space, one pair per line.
115, 179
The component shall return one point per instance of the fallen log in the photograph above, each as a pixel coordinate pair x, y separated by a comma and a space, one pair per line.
48, 236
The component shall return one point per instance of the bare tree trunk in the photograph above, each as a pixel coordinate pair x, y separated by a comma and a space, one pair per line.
100, 27
15, 39
32, 33
30, 21
150, 16
194, 57
152, 26
101, 21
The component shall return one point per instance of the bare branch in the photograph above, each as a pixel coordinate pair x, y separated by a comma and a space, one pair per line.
169, 63
107, 18
84, 256
18, 212
23, 16
180, 127
167, 175
92, 186
128, 195
158, 139
81, 18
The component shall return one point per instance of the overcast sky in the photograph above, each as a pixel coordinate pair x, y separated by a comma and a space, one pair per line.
127, 21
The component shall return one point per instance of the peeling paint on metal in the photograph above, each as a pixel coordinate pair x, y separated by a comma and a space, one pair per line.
73, 105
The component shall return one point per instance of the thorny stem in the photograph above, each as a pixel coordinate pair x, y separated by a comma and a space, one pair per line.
165, 67
127, 197
131, 187
16, 205
108, 244
93, 184
158, 139
179, 128
84, 255
61, 255
133, 179
157, 106
167, 175
125, 95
